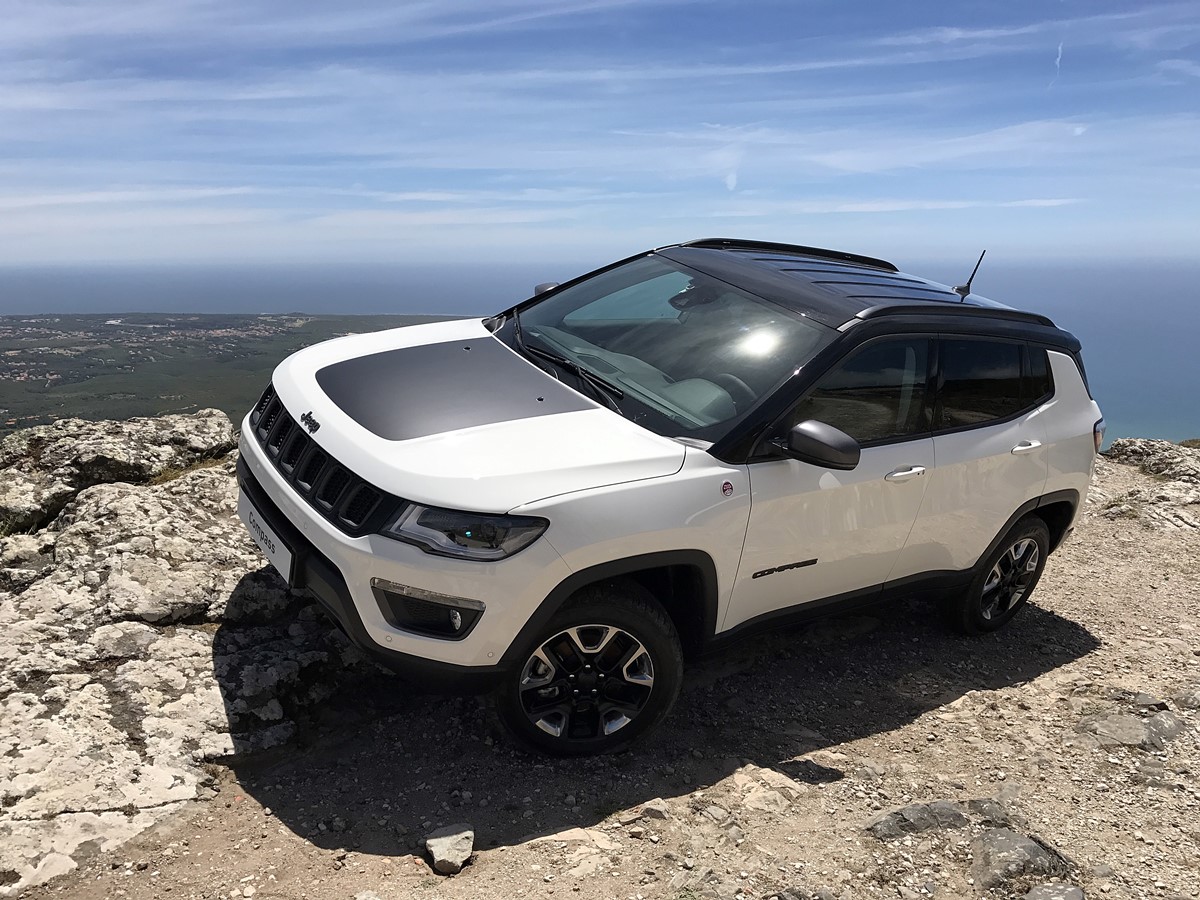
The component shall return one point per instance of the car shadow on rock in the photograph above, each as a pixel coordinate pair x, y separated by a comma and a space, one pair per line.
396, 763
286, 674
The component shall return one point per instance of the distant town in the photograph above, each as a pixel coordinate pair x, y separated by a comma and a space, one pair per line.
105, 366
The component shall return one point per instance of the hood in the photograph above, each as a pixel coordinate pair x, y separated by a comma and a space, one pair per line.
447, 415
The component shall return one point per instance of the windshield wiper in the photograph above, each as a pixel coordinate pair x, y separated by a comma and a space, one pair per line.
601, 387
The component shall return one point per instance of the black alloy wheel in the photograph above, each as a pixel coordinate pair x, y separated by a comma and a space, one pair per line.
605, 670
1005, 579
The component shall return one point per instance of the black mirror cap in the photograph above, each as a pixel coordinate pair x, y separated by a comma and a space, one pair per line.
822, 445
544, 286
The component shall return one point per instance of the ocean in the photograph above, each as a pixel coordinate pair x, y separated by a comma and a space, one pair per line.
1139, 321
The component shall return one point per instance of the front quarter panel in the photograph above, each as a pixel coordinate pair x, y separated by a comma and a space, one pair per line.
689, 510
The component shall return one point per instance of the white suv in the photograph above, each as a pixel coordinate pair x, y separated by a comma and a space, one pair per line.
558, 502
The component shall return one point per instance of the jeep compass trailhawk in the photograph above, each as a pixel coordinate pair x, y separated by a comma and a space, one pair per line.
558, 502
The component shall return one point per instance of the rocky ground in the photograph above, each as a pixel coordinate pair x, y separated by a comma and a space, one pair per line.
173, 722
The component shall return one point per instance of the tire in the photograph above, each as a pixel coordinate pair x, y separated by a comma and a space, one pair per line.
1004, 580
605, 670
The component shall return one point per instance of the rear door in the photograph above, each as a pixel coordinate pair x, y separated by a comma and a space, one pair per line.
990, 444
816, 533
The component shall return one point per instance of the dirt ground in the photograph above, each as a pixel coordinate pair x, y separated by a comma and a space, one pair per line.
779, 754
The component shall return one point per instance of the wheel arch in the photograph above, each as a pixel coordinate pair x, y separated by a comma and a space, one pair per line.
1058, 514
1056, 509
684, 582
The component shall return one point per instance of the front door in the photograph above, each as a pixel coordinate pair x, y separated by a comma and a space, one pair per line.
816, 533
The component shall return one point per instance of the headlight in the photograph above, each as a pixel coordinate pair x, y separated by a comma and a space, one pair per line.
463, 535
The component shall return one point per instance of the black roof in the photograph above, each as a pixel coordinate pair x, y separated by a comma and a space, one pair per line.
832, 286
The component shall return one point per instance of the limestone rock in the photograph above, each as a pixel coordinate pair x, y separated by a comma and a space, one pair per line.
1156, 457
450, 847
1118, 729
656, 809
917, 817
1189, 698
1002, 855
144, 636
1057, 891
1170, 503
45, 467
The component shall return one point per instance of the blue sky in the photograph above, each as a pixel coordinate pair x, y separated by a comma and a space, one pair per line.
215, 131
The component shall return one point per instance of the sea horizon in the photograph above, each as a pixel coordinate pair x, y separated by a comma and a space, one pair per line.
1142, 362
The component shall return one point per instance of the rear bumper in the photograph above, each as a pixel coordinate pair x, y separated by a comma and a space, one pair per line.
316, 573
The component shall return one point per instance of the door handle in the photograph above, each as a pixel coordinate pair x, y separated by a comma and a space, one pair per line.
1026, 447
904, 474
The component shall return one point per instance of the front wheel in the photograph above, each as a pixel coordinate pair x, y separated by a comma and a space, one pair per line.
1004, 580
602, 672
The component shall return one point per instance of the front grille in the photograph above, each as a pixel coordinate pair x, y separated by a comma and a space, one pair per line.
352, 504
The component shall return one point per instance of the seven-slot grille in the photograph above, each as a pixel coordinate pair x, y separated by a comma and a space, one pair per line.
329, 487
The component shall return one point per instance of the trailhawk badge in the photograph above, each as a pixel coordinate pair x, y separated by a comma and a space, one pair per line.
310, 423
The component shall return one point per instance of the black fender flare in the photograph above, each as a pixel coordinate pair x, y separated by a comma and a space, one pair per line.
611, 571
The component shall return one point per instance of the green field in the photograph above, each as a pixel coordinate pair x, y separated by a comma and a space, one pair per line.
116, 367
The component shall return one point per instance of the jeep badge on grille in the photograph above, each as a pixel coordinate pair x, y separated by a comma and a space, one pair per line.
310, 423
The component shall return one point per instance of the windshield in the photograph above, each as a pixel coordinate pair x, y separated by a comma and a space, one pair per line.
688, 354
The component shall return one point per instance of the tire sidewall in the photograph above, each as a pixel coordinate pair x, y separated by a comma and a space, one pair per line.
972, 620
625, 607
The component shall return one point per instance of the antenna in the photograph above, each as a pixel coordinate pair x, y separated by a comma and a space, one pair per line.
964, 289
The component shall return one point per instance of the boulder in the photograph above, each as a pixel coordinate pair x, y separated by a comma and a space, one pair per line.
917, 817
1002, 855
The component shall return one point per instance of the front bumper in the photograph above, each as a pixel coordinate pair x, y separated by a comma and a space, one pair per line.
313, 571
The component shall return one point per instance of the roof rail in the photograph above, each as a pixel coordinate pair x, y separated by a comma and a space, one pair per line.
737, 244
941, 308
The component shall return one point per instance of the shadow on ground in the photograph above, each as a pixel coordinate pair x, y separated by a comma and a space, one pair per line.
387, 763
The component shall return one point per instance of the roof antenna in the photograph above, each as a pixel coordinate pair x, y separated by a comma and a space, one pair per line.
964, 289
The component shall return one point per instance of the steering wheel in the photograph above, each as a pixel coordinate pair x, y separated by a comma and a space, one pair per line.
740, 392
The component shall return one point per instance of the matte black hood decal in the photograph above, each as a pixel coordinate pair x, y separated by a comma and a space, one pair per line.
414, 392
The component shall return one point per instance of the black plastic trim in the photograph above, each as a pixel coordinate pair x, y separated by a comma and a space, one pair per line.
300, 447
611, 571
794, 615
939, 308
941, 582
771, 247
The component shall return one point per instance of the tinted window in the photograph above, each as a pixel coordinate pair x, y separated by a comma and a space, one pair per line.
1037, 378
690, 353
648, 299
981, 382
876, 394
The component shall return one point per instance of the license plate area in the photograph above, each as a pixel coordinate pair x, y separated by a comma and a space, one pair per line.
268, 540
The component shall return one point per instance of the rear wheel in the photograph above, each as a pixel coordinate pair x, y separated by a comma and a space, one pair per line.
1004, 580
603, 671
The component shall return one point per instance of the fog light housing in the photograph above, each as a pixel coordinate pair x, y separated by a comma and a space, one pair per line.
426, 612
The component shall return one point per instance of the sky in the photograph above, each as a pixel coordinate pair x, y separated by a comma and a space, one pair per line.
222, 132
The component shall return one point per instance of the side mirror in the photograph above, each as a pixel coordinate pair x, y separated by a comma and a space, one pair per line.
544, 286
821, 445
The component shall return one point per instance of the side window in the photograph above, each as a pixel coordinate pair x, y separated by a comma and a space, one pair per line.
981, 381
1037, 375
877, 394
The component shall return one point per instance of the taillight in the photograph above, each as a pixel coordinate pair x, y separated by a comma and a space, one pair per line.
1098, 434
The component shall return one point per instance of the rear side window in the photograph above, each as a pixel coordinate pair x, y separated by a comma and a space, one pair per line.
981, 382
877, 394
1037, 375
